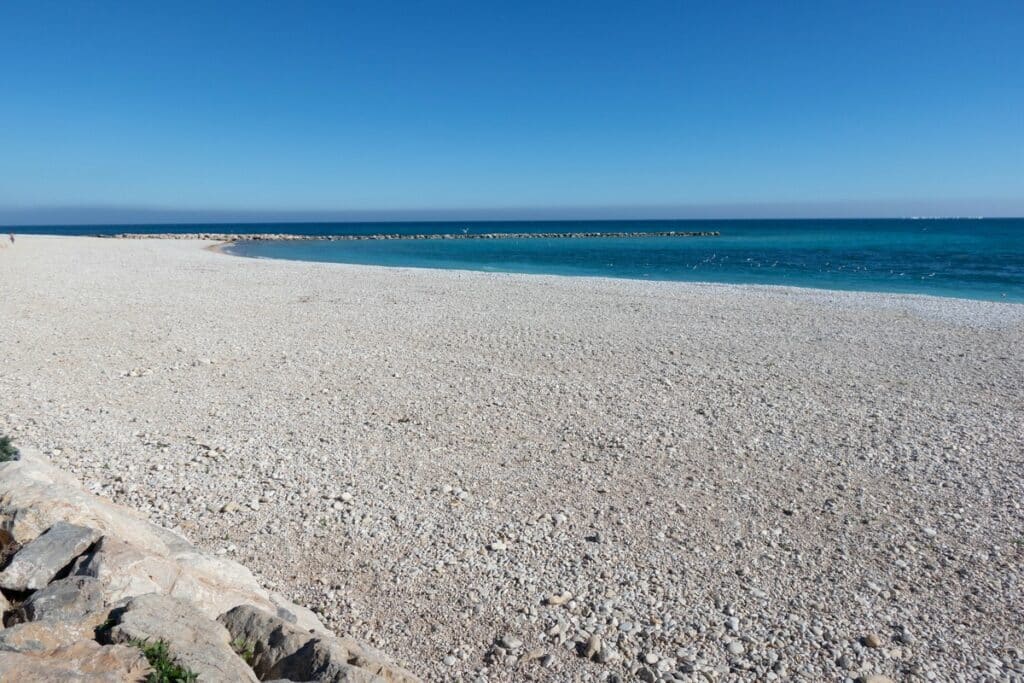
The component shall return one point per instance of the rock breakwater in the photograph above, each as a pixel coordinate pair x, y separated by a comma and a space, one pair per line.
242, 237
90, 587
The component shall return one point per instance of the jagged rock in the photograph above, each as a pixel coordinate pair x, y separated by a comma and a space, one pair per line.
281, 650
85, 660
39, 636
194, 642
166, 590
213, 585
40, 560
68, 599
34, 495
324, 662
4, 606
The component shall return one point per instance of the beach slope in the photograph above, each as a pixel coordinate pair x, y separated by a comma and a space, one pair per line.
551, 478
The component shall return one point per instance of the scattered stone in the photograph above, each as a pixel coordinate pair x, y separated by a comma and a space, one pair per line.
560, 599
510, 642
873, 641
592, 647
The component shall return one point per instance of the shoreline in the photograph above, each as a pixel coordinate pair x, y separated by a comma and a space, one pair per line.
223, 248
392, 447
230, 237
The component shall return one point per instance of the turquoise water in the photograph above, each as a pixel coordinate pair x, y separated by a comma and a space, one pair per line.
979, 259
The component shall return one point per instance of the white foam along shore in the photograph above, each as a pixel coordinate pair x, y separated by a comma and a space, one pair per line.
509, 475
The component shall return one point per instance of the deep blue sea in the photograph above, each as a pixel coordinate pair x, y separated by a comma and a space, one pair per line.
971, 258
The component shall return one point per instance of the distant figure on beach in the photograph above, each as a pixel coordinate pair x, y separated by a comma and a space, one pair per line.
11, 235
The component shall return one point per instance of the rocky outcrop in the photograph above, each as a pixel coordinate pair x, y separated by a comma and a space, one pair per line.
85, 660
200, 645
44, 557
63, 600
279, 650
88, 583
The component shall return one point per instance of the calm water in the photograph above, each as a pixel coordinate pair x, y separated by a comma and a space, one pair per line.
982, 259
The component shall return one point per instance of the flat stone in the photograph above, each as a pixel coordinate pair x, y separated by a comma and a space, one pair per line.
41, 559
194, 642
67, 599
40, 636
85, 660
280, 650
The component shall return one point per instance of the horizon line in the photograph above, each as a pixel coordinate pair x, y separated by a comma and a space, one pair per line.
89, 215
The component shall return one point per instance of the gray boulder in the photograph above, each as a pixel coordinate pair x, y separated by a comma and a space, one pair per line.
281, 650
194, 642
41, 559
67, 599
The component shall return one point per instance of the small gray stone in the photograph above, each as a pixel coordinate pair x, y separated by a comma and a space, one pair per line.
736, 648
41, 559
646, 675
510, 642
592, 647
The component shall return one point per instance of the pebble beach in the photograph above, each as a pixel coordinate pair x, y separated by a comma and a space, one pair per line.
499, 477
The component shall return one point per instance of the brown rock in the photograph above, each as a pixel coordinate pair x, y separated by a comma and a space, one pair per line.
40, 636
85, 660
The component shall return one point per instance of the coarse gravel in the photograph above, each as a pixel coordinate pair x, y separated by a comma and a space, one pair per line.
506, 477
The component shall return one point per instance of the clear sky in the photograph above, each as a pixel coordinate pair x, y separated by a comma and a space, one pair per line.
162, 110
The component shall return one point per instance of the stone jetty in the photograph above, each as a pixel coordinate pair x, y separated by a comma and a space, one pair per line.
241, 237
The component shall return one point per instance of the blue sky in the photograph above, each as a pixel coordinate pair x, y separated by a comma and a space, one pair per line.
153, 110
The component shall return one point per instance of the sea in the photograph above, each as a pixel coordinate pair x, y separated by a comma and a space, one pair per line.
965, 258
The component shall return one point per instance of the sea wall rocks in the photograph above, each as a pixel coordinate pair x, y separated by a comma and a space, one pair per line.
86, 583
